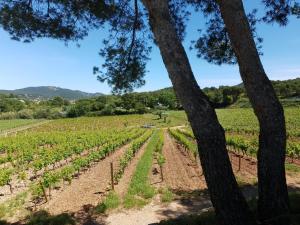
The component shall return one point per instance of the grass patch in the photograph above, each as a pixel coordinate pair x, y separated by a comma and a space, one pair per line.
131, 201
140, 190
8, 209
166, 195
242, 181
112, 201
292, 168
44, 218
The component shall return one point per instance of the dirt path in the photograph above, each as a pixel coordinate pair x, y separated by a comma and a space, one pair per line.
293, 181
88, 189
180, 171
155, 212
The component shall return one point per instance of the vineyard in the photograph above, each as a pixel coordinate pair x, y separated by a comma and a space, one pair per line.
121, 161
9, 124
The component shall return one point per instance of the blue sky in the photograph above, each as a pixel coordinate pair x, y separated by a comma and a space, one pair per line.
48, 62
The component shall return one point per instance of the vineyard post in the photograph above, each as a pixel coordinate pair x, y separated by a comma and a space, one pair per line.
44, 192
10, 187
161, 173
112, 175
239, 163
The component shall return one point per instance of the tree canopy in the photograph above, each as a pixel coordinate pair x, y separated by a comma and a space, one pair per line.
230, 37
126, 49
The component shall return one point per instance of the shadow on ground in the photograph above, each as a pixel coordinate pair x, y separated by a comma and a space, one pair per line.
208, 217
190, 208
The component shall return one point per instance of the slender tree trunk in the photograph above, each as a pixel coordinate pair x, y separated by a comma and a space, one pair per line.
229, 203
273, 203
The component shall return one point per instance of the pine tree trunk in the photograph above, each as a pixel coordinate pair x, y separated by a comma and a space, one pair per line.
273, 203
228, 201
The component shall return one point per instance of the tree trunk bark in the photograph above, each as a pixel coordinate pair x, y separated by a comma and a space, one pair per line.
228, 201
273, 203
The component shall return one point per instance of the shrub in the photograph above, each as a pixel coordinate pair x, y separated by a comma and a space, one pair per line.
25, 114
112, 201
8, 116
167, 195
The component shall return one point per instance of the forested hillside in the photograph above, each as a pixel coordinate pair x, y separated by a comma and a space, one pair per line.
15, 106
48, 92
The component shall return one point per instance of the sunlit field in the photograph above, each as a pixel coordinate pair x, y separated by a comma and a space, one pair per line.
41, 165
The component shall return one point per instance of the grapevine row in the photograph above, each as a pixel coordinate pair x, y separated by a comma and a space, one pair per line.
130, 153
183, 140
66, 174
78, 162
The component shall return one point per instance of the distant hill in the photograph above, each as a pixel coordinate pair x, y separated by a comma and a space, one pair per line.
47, 92
285, 89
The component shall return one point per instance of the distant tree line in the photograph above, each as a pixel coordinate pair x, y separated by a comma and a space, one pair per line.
287, 88
11, 106
14, 107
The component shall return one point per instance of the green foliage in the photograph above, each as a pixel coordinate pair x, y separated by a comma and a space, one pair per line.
183, 140
67, 173
130, 153
292, 168
139, 189
158, 151
130, 103
25, 114
239, 144
287, 88
10, 103
161, 159
54, 20
293, 150
36, 191
5, 176
157, 102
44, 218
224, 95
50, 179
44, 152
167, 195
111, 201
9, 208
131, 201
10, 124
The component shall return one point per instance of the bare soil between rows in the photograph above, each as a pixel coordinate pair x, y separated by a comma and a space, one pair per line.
182, 174
88, 189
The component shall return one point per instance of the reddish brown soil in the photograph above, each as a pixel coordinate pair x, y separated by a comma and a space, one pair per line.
249, 170
180, 172
294, 161
155, 175
247, 165
88, 189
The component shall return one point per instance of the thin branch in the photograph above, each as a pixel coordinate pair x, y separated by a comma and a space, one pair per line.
135, 24
48, 7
